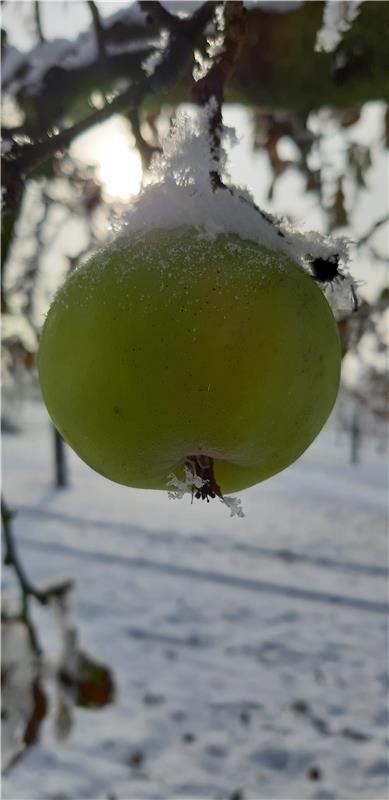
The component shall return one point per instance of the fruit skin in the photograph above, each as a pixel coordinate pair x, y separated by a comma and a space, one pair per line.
167, 344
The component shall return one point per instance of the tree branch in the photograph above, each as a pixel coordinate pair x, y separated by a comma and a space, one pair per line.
28, 156
27, 589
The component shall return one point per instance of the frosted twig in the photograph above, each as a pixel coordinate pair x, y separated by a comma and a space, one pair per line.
27, 589
209, 90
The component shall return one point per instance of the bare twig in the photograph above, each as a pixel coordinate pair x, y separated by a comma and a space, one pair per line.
99, 29
365, 238
38, 21
10, 554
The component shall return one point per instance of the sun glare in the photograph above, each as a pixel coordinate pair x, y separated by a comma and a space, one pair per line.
109, 147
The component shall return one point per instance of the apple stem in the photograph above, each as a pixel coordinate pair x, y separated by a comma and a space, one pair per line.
202, 467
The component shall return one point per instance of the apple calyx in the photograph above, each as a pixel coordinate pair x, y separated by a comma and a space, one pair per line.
201, 466
200, 481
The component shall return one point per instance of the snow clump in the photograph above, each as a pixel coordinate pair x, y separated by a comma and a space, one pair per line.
179, 193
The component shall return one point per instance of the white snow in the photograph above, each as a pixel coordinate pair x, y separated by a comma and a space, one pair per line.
338, 18
68, 53
245, 653
179, 194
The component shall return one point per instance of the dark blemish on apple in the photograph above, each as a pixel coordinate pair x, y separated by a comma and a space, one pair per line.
116, 410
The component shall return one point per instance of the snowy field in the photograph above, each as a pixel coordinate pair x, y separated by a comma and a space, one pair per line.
249, 656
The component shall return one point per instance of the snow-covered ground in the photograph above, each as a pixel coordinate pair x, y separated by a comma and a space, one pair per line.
249, 656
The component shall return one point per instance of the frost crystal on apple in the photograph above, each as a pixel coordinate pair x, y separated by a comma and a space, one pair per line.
194, 482
235, 506
179, 488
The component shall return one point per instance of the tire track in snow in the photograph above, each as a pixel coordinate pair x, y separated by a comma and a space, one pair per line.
284, 554
210, 576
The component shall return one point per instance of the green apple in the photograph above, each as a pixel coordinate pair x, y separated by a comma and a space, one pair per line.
170, 348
